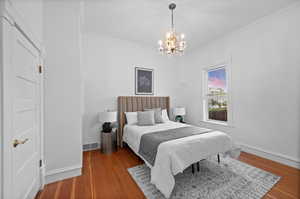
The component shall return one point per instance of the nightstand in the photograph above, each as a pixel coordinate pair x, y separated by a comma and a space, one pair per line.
109, 142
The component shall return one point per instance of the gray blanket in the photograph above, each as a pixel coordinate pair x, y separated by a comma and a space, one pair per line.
149, 142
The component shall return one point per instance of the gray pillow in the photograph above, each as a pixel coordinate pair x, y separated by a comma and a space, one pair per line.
146, 118
157, 115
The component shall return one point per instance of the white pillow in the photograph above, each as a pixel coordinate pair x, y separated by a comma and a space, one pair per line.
164, 115
131, 117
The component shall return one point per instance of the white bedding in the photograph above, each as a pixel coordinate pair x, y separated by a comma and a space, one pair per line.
176, 155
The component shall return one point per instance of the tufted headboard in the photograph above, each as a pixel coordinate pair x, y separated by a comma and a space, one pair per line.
137, 103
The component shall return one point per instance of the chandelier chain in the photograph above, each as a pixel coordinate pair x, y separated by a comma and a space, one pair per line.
172, 21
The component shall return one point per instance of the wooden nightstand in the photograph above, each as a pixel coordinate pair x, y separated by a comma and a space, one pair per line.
109, 142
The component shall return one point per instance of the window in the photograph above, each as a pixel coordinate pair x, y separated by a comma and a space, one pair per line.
215, 98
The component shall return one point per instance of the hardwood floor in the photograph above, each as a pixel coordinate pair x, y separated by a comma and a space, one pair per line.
106, 177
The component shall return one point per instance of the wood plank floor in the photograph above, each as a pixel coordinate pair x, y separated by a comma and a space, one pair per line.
106, 177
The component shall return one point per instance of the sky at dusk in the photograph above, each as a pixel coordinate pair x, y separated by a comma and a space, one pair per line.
217, 79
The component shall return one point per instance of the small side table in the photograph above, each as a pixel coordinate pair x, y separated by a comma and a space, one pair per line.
109, 142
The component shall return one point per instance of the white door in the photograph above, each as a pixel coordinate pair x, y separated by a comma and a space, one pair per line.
22, 118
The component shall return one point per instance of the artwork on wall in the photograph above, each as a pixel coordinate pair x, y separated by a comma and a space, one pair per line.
144, 81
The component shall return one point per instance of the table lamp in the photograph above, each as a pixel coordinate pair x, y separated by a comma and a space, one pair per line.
179, 112
107, 118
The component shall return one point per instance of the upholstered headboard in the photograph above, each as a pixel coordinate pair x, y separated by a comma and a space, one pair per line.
137, 103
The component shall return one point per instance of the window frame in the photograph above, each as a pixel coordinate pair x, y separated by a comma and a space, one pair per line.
205, 114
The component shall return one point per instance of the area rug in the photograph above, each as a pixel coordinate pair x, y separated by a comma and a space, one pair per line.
231, 179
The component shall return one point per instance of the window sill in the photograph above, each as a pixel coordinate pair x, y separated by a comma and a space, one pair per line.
225, 124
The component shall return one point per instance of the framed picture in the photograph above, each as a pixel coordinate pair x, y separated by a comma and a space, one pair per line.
144, 81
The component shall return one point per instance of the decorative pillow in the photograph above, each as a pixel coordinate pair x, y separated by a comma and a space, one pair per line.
146, 118
164, 115
157, 115
131, 118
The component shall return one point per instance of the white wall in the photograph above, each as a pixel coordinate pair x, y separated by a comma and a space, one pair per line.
63, 143
265, 83
109, 72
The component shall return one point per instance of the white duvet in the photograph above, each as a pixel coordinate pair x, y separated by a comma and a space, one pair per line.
176, 155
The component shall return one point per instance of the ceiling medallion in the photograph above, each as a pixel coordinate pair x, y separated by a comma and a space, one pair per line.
173, 43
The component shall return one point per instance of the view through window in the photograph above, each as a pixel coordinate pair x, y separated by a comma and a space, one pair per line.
217, 94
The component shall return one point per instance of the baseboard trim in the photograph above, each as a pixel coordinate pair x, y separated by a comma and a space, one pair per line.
63, 173
42, 176
283, 159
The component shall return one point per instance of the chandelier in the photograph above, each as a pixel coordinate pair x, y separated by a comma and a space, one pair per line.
173, 43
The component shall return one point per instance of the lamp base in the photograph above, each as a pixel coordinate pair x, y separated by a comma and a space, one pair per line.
106, 127
179, 118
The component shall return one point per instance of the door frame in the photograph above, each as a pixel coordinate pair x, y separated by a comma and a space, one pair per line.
7, 27
1, 105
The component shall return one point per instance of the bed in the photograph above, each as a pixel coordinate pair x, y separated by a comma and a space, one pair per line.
172, 156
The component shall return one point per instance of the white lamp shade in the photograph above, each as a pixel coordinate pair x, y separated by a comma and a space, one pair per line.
179, 111
108, 116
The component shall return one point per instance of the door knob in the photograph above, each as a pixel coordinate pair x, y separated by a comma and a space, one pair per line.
17, 142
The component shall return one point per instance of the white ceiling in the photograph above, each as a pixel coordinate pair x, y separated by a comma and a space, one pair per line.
147, 21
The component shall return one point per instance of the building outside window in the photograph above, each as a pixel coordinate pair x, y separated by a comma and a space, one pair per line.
215, 99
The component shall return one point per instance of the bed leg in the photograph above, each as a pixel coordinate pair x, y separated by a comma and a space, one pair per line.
193, 170
198, 166
219, 158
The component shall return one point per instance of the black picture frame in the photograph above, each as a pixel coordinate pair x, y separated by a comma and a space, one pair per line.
144, 81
